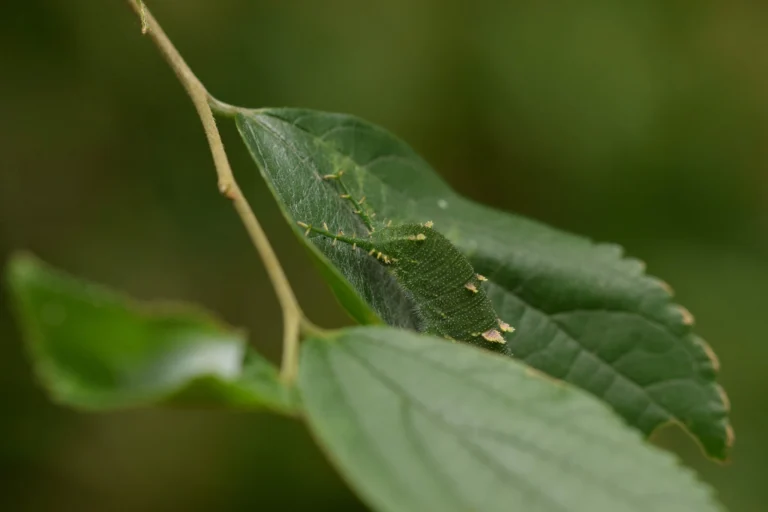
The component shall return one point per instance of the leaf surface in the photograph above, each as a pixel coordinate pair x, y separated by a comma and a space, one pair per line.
582, 311
415, 423
93, 349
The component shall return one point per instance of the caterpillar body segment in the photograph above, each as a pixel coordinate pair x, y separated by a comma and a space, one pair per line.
445, 289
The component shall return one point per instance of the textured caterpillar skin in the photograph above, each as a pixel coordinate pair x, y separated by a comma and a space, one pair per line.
437, 274
446, 290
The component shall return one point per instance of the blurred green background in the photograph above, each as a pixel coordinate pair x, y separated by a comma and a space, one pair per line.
640, 123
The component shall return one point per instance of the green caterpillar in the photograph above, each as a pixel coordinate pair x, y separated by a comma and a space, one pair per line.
444, 287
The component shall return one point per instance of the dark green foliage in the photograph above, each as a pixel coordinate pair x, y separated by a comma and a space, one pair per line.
583, 313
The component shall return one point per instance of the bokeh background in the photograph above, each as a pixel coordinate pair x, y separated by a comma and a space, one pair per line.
642, 123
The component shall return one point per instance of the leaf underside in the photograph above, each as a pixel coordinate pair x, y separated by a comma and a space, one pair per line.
415, 424
93, 349
583, 313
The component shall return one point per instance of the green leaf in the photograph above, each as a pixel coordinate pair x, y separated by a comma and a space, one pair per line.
93, 349
582, 312
415, 423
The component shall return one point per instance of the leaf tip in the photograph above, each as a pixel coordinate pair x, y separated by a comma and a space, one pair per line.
730, 436
727, 405
709, 353
686, 315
